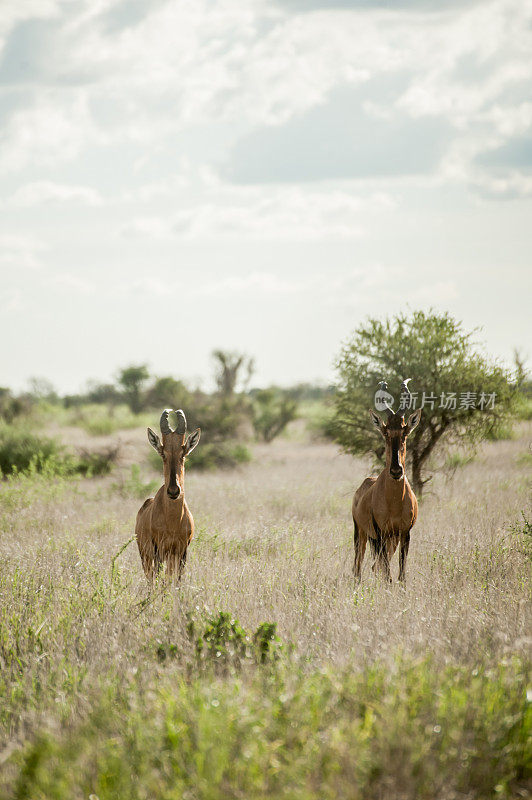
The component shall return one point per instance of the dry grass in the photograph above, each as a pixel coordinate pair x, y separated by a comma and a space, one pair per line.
273, 543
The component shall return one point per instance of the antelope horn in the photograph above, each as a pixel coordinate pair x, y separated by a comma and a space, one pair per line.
181, 427
163, 424
406, 396
389, 411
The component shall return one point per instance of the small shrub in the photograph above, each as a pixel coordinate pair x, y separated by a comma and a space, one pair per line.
267, 643
219, 455
221, 642
21, 451
96, 462
272, 411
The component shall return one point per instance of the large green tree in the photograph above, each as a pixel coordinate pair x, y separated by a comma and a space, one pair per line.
132, 380
464, 394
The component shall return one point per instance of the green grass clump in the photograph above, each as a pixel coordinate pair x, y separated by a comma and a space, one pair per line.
409, 730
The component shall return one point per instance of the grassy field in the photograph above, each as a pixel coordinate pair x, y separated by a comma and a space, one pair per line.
108, 692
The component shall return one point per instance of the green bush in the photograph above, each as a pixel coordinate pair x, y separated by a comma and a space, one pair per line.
222, 644
95, 462
272, 411
22, 451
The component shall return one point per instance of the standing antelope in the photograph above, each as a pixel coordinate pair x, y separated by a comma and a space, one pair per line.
385, 508
164, 525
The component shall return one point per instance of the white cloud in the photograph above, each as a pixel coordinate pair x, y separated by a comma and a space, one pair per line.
13, 12
274, 213
69, 282
51, 131
435, 294
20, 252
31, 194
11, 301
511, 186
261, 282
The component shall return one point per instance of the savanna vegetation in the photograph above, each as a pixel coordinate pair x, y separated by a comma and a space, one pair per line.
264, 674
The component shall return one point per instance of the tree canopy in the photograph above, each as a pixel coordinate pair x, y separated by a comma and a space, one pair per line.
464, 395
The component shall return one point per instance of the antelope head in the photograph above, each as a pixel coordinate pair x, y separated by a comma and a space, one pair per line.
173, 447
395, 431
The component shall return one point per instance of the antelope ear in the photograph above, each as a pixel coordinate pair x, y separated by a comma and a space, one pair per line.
413, 421
192, 441
377, 421
155, 441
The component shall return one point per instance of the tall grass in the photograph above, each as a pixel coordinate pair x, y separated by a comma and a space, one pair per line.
108, 690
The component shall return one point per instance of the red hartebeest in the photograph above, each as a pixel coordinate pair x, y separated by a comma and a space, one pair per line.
385, 507
165, 525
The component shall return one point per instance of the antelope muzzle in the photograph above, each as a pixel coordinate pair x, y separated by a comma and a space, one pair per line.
396, 468
173, 491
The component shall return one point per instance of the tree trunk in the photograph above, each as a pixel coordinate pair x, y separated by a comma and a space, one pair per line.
417, 481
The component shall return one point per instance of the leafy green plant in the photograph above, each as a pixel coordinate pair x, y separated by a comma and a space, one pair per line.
221, 642
267, 643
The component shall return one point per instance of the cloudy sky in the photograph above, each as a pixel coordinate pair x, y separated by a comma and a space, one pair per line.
260, 175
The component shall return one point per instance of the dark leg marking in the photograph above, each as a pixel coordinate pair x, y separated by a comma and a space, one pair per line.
360, 548
157, 563
379, 550
403, 553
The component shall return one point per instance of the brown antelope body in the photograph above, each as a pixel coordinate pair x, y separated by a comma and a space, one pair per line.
385, 507
165, 525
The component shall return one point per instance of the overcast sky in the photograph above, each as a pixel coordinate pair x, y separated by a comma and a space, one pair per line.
180, 175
